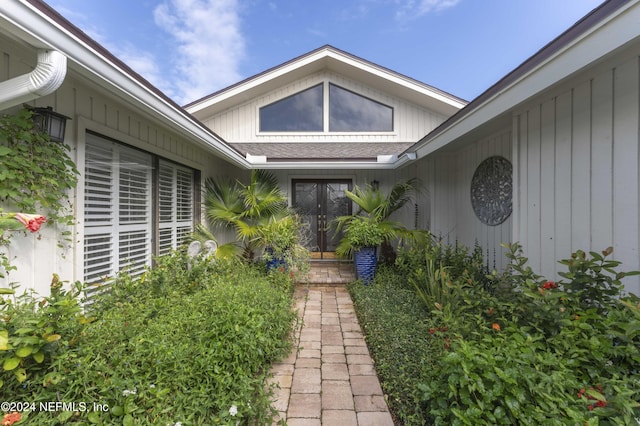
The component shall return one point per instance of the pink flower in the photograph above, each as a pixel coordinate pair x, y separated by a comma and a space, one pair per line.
10, 418
31, 221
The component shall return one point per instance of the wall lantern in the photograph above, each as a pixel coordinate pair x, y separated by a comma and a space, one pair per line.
49, 121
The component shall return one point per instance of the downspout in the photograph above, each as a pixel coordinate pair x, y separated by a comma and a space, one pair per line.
45, 78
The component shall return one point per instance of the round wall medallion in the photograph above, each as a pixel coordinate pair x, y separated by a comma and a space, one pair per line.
492, 190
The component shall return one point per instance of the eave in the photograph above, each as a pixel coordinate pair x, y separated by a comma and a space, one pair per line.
38, 25
331, 59
606, 29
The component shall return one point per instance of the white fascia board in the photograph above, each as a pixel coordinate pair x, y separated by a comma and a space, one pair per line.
326, 165
104, 73
396, 79
252, 83
589, 48
316, 58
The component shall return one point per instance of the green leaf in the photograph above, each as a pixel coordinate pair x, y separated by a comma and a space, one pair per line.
53, 338
4, 340
127, 420
24, 351
94, 418
117, 411
38, 357
11, 363
21, 374
5, 150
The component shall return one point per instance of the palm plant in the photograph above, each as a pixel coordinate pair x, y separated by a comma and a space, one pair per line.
229, 204
377, 207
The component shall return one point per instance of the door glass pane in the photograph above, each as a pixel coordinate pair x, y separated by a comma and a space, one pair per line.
337, 205
306, 204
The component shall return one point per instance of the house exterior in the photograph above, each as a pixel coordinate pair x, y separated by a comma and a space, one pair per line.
548, 156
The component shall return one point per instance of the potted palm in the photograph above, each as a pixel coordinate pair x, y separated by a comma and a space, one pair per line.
364, 234
372, 219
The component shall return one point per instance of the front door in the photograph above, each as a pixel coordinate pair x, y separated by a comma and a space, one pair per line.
319, 202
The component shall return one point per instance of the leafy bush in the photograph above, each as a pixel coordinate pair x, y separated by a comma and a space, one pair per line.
515, 348
180, 344
397, 327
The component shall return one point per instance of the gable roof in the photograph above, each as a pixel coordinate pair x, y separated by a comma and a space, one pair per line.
328, 58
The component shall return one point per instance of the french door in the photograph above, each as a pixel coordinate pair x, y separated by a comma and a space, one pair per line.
319, 202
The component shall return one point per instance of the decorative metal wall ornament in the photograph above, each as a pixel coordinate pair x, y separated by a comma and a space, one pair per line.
492, 190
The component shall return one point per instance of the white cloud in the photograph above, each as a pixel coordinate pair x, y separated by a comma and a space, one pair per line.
209, 45
411, 9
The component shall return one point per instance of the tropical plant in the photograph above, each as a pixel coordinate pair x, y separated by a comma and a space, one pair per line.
377, 208
230, 204
283, 242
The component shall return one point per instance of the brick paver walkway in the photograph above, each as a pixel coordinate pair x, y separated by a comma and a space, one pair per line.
329, 378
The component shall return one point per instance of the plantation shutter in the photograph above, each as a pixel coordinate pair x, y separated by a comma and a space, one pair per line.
117, 219
176, 188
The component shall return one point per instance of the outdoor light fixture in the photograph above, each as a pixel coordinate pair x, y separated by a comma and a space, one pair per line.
49, 121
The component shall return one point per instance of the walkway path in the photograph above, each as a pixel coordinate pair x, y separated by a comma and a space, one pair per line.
329, 378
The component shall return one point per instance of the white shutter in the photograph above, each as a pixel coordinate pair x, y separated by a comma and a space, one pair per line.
117, 220
175, 188
118, 224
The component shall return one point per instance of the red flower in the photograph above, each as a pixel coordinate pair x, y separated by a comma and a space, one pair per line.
31, 221
601, 404
495, 326
10, 418
432, 330
549, 285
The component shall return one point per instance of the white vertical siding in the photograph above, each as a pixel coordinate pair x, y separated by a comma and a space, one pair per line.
578, 170
449, 176
240, 123
90, 109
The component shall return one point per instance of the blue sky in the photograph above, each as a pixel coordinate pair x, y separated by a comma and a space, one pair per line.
191, 48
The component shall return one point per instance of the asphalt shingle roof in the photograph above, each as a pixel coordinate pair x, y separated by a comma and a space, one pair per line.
322, 150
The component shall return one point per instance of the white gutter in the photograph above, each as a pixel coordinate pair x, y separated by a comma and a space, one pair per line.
45, 79
39, 30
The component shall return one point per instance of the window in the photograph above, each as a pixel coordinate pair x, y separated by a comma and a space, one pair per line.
301, 112
176, 205
347, 112
120, 196
350, 112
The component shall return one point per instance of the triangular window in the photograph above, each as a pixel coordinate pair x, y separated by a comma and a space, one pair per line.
301, 112
347, 112
350, 112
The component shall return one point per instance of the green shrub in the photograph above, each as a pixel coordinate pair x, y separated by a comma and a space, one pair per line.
546, 355
515, 348
179, 344
397, 327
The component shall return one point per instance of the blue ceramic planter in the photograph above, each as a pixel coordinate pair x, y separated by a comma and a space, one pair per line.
275, 262
366, 261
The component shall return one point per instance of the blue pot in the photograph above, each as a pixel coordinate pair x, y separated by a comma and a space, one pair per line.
366, 261
275, 262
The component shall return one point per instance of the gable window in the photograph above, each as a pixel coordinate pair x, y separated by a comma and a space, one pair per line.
301, 112
350, 112
345, 111
123, 188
